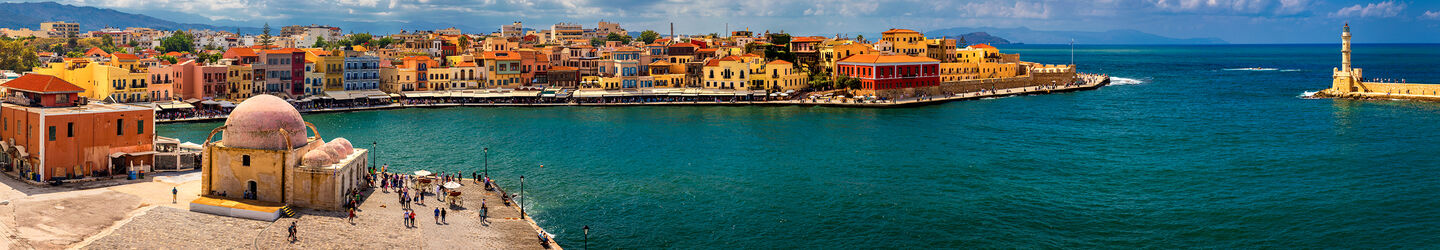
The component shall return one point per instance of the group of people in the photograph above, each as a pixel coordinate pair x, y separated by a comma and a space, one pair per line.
191, 113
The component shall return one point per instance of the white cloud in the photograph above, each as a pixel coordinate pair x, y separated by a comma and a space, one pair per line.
1431, 15
1231, 7
1381, 9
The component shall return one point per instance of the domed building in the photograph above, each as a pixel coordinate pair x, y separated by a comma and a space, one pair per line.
267, 157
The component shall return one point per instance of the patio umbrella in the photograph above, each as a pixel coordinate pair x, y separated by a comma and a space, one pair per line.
452, 185
423, 173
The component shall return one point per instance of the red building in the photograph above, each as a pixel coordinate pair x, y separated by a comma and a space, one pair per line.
882, 72
49, 133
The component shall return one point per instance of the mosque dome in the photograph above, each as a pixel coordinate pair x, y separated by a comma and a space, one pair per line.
257, 121
334, 150
317, 158
349, 148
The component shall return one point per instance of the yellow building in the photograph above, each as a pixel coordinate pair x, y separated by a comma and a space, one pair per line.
101, 82
732, 72
908, 42
331, 64
240, 81
978, 62
780, 75
265, 157
502, 69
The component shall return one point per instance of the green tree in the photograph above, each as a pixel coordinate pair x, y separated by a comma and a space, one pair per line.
597, 42
170, 59
319, 43
383, 42
819, 81
15, 55
780, 38
210, 57
617, 37
265, 35
360, 39
464, 43
133, 43
860, 38
178, 42
649, 36
74, 54
105, 40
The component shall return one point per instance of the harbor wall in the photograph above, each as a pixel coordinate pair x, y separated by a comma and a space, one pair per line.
1036, 78
1400, 88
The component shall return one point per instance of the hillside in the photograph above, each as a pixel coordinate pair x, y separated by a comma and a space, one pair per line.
30, 15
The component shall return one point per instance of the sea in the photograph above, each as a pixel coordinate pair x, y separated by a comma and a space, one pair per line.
1189, 147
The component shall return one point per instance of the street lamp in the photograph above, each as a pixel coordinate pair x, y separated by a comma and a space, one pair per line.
522, 196
487, 162
587, 236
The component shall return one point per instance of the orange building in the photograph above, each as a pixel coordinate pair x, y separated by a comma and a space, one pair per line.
49, 134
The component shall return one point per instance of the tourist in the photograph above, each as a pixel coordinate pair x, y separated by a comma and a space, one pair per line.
174, 195
406, 217
484, 211
292, 231
352, 215
437, 215
442, 216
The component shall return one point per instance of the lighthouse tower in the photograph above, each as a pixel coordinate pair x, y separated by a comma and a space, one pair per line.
1345, 79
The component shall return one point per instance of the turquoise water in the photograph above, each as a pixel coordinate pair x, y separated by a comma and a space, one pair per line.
1192, 156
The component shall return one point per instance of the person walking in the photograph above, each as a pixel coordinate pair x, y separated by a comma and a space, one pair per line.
292, 231
437, 216
442, 216
352, 215
484, 211
174, 195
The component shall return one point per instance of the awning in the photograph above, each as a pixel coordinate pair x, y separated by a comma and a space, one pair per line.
174, 105
192, 100
209, 102
227, 104
379, 97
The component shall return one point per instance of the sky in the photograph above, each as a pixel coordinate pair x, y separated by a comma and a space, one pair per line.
1235, 21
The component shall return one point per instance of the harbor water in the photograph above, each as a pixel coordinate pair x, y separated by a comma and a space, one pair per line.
1189, 147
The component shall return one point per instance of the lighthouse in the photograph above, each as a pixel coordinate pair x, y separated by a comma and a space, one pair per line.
1345, 78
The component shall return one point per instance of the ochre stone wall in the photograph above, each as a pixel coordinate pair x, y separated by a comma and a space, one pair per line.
1400, 88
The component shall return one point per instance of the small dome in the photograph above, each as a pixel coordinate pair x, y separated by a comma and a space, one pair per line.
349, 148
332, 150
316, 158
340, 149
257, 121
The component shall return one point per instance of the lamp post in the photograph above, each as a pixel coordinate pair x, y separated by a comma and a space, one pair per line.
587, 236
487, 162
522, 196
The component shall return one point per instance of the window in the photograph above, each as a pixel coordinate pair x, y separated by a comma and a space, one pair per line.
245, 160
139, 127
120, 127
70, 129
52, 133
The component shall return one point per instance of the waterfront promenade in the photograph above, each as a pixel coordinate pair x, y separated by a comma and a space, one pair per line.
1092, 82
139, 214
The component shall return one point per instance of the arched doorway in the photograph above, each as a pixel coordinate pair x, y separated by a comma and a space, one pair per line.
250, 188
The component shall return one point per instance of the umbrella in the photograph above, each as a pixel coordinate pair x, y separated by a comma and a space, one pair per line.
452, 185
423, 173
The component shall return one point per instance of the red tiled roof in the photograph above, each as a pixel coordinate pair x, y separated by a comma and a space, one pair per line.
982, 46
284, 50
894, 31
126, 56
778, 62
44, 84
684, 45
805, 39
96, 51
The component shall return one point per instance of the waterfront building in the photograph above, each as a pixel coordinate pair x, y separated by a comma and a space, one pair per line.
50, 133
362, 71
239, 80
99, 81
731, 72
887, 72
284, 71
904, 41
330, 65
314, 81
416, 70
563, 77
265, 159
780, 75
502, 69
806, 50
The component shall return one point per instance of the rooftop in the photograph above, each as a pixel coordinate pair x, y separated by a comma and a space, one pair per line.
44, 84
877, 59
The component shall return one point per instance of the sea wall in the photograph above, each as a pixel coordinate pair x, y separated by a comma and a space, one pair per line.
975, 85
1400, 88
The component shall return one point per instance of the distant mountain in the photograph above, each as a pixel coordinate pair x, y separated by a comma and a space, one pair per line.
982, 37
30, 15
1026, 35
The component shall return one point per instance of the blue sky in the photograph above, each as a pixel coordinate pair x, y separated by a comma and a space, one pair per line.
1236, 21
